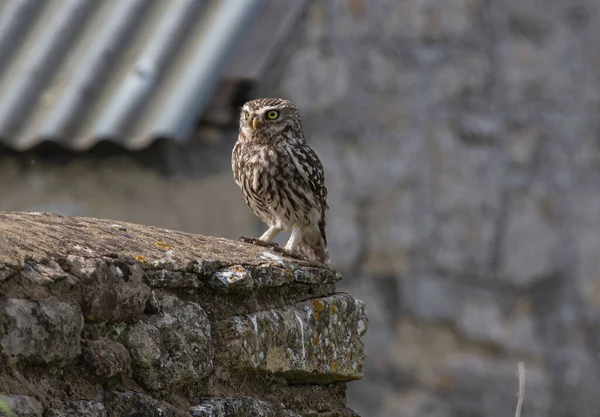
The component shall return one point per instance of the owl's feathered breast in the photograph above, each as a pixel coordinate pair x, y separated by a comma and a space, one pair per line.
284, 178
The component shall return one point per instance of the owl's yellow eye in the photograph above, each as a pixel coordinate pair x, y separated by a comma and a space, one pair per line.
246, 116
273, 114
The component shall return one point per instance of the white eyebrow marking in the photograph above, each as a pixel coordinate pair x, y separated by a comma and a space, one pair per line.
265, 109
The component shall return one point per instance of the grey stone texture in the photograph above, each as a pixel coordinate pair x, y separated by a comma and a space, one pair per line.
107, 358
326, 334
172, 347
22, 405
239, 407
460, 143
112, 292
45, 330
162, 317
78, 409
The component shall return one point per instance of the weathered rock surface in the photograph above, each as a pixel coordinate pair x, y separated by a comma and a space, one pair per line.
460, 142
107, 358
325, 332
78, 409
111, 291
133, 404
239, 407
172, 347
23, 405
45, 329
99, 319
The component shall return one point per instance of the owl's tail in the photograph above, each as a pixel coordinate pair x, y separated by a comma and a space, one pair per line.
313, 246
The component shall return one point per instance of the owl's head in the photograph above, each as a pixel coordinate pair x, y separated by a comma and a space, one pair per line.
266, 119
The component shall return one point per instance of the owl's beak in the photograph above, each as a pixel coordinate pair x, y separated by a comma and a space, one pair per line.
256, 123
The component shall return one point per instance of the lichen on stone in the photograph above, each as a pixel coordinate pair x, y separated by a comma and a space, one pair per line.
99, 320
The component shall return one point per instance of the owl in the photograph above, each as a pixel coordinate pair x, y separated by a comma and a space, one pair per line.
281, 177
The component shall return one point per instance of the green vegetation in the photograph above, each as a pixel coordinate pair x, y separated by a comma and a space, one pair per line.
5, 410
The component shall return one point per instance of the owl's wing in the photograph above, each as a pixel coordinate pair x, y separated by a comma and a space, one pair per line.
236, 160
310, 168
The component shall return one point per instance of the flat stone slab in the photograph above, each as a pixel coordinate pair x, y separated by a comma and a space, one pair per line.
29, 235
316, 341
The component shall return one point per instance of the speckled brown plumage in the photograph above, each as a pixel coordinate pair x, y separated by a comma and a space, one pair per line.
281, 177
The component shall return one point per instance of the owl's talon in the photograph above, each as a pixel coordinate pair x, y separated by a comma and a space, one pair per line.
288, 253
258, 242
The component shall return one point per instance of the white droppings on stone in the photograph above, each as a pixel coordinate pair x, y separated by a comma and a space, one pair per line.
225, 274
275, 319
254, 324
239, 325
79, 247
200, 408
361, 327
272, 257
119, 272
230, 276
169, 253
36, 213
302, 337
292, 355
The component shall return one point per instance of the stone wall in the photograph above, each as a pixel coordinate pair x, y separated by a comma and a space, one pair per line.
103, 318
460, 143
460, 140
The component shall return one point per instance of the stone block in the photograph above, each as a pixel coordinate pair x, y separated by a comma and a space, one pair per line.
480, 314
173, 347
531, 246
315, 341
112, 292
466, 206
106, 358
47, 329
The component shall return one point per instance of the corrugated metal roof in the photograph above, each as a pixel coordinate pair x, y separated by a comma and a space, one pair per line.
80, 71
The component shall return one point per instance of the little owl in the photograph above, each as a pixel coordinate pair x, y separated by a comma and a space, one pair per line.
281, 177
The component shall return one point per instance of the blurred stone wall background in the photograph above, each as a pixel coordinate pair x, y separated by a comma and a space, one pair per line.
460, 139
461, 145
